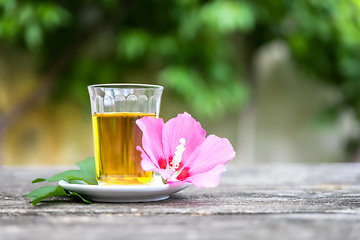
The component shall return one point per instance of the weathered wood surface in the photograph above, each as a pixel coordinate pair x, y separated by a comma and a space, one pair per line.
291, 201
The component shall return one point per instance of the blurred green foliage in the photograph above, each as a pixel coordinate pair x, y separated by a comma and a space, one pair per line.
324, 38
190, 46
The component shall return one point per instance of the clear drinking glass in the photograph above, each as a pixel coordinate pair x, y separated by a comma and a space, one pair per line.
115, 108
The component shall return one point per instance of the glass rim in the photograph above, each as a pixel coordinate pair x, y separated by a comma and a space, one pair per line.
127, 86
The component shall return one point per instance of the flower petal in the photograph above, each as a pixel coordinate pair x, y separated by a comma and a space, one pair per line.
151, 140
146, 163
210, 153
182, 126
207, 179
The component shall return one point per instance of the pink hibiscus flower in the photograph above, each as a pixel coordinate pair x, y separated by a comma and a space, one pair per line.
180, 151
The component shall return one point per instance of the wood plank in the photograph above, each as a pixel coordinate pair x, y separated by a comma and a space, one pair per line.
268, 201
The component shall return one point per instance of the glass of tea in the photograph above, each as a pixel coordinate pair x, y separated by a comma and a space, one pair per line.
115, 108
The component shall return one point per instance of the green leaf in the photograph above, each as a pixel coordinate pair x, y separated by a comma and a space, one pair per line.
88, 180
88, 167
42, 193
39, 180
81, 197
63, 175
86, 173
74, 175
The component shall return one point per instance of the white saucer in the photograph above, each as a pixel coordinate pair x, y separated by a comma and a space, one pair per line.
155, 191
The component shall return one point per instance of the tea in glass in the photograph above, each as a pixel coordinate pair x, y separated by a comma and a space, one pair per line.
115, 109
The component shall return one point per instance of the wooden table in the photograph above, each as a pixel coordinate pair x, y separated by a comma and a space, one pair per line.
281, 201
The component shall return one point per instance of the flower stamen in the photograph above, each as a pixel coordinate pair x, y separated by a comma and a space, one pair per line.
175, 163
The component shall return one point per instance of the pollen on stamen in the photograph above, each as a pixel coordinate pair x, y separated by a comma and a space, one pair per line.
175, 163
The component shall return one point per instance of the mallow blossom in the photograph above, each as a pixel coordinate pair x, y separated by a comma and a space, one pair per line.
180, 151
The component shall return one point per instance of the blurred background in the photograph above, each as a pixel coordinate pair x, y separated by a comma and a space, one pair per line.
279, 79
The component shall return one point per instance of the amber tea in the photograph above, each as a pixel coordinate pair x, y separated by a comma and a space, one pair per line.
115, 138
